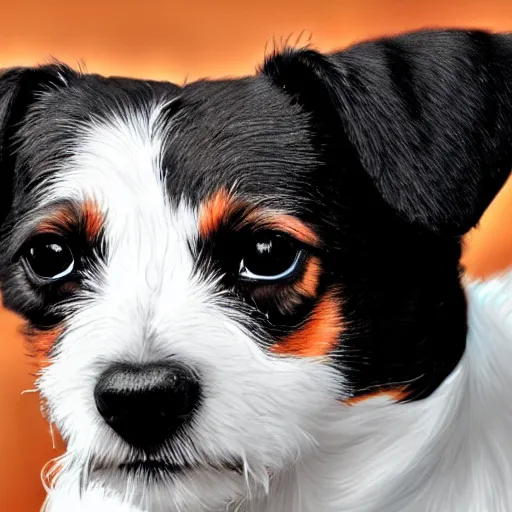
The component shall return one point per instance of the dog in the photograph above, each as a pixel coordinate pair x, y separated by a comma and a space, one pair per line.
246, 294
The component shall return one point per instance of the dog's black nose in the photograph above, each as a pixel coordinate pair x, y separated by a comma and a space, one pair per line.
146, 404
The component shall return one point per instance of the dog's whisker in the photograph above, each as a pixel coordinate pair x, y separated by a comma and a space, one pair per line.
51, 470
29, 391
52, 435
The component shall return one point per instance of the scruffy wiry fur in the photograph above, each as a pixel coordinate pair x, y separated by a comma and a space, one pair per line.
137, 222
445, 453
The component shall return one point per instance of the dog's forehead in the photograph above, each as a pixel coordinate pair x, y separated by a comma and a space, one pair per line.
239, 131
194, 140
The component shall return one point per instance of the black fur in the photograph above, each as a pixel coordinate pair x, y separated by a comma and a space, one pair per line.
408, 105
390, 150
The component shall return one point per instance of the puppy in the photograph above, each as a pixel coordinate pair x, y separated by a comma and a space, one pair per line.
246, 294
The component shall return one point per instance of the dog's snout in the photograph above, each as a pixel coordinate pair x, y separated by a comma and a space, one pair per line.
146, 404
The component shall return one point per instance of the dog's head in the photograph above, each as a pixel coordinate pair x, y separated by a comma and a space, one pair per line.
205, 270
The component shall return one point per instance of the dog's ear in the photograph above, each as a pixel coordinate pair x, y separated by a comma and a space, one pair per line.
20, 88
429, 115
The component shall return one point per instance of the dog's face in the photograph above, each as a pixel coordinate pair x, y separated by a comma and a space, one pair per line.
207, 271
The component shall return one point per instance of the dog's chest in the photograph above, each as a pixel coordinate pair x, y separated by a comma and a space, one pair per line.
449, 453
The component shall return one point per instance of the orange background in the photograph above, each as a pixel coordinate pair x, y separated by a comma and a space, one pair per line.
172, 40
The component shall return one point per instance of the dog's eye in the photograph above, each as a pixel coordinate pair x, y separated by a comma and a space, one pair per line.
49, 258
270, 257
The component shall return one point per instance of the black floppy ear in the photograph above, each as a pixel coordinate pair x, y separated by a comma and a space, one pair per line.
19, 89
429, 115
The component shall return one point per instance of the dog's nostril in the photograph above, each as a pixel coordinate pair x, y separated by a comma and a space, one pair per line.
146, 404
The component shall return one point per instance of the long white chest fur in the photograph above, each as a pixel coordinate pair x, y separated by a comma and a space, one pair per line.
451, 452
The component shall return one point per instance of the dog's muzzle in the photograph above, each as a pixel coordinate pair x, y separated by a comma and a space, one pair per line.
147, 404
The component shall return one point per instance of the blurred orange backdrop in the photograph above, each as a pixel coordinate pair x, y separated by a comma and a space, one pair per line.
180, 41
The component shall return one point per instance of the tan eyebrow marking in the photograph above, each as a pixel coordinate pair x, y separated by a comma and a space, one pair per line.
93, 218
221, 206
285, 223
215, 211
58, 220
67, 216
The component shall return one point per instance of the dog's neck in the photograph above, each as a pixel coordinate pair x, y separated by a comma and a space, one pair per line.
450, 452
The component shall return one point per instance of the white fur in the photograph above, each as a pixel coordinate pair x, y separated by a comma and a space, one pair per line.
97, 499
450, 452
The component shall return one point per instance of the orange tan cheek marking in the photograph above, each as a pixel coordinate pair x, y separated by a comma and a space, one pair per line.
41, 342
319, 335
308, 285
394, 395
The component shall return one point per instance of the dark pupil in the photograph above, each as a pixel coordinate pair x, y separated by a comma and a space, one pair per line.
270, 255
49, 259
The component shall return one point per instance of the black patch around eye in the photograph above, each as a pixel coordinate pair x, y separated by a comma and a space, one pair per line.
263, 252
220, 255
38, 298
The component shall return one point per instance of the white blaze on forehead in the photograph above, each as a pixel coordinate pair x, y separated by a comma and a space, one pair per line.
117, 163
